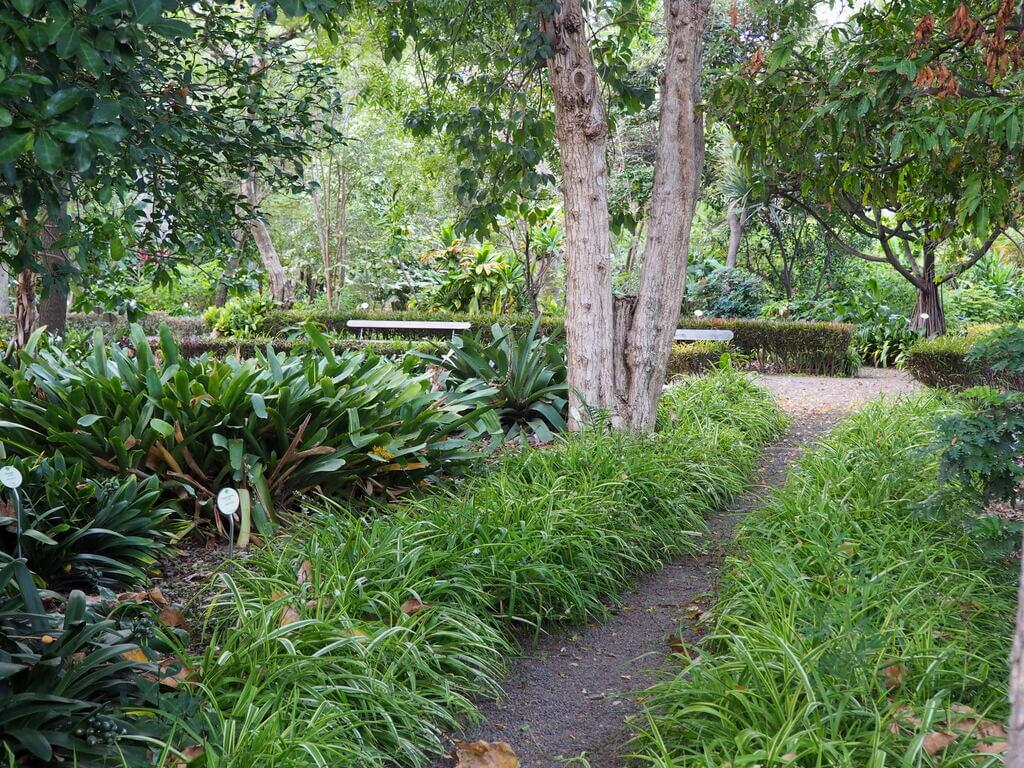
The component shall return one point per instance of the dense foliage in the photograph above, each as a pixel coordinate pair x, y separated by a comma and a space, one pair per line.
274, 424
850, 629
375, 634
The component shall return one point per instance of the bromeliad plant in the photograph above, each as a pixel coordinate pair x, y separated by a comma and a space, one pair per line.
527, 375
275, 425
81, 533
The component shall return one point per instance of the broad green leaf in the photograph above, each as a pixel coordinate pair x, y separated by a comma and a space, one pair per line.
48, 153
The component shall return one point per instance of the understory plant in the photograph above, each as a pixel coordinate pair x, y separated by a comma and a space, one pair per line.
77, 687
274, 425
526, 372
80, 533
362, 639
851, 629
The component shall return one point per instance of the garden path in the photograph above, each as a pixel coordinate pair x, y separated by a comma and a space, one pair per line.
568, 694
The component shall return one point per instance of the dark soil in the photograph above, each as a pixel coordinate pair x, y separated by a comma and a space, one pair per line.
568, 694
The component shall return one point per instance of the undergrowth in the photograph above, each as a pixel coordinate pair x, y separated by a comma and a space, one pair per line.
852, 629
362, 640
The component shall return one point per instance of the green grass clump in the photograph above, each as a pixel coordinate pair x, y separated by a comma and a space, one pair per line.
359, 641
851, 627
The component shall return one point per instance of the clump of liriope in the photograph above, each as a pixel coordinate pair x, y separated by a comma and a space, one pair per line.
852, 630
375, 633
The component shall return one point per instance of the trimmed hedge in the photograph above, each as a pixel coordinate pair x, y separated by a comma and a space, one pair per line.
942, 362
695, 357
821, 349
194, 346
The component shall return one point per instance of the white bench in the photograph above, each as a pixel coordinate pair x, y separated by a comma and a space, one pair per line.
691, 334
408, 325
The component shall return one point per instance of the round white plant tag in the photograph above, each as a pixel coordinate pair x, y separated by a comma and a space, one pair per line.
10, 477
227, 501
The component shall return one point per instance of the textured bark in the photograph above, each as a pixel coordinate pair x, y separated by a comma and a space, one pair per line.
735, 221
279, 284
929, 316
25, 307
581, 128
1015, 747
645, 328
5, 290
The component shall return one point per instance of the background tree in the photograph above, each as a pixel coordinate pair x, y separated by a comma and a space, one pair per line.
152, 104
904, 121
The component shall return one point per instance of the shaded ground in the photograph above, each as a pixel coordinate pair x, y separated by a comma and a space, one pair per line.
567, 695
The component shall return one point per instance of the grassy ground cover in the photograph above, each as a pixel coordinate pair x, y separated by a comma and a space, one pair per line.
853, 629
359, 640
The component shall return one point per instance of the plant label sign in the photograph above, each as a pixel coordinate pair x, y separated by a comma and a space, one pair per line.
10, 477
227, 501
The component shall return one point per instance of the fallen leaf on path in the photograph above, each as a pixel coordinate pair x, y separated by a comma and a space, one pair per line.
172, 617
893, 675
485, 754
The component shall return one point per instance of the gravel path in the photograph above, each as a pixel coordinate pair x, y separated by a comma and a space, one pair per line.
567, 695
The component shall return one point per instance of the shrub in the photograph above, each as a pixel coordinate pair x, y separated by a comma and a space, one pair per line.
79, 533
694, 357
849, 627
527, 374
276, 425
985, 355
728, 292
241, 318
977, 303
792, 347
71, 688
380, 632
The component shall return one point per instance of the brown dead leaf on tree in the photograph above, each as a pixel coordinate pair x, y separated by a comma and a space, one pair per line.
305, 573
412, 607
485, 754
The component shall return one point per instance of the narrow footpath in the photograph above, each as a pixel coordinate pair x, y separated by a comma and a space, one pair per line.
567, 696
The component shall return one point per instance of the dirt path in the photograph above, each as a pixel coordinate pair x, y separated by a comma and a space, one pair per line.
567, 695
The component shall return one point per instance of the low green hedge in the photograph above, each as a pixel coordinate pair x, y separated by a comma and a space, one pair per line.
695, 357
942, 362
194, 346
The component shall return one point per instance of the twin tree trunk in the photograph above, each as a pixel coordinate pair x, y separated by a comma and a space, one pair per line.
618, 347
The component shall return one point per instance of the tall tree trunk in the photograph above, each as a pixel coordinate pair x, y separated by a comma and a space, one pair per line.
581, 128
1015, 747
645, 327
279, 284
5, 290
25, 307
735, 221
929, 316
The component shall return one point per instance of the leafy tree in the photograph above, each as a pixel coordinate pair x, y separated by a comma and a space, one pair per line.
905, 122
156, 104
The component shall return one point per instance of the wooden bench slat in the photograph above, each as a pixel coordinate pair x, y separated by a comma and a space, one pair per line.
693, 334
412, 325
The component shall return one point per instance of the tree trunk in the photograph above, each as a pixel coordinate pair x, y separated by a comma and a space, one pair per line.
279, 284
5, 290
735, 220
25, 307
581, 128
645, 328
1015, 747
929, 316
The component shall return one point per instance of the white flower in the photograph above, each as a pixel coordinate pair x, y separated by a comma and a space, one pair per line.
925, 315
364, 305
698, 313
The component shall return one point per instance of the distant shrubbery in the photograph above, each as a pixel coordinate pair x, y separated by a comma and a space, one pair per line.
727, 292
961, 362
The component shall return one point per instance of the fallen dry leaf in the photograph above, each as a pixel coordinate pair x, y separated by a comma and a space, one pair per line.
411, 607
47, 639
485, 754
893, 675
937, 741
288, 616
157, 596
305, 573
172, 617
789, 757
135, 655
189, 754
